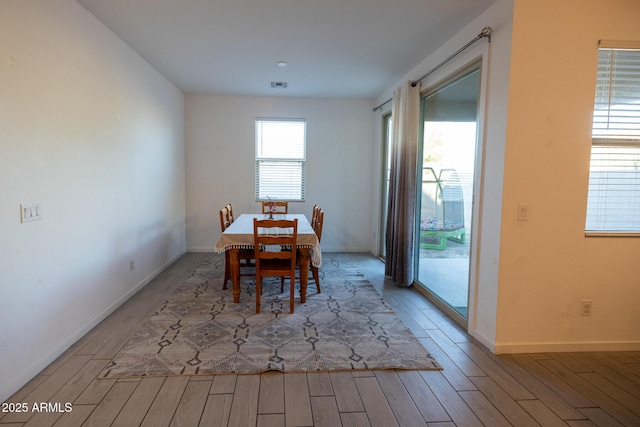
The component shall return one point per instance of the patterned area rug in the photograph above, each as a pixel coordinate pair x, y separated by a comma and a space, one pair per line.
199, 330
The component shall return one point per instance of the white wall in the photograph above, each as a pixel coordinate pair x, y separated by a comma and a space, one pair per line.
340, 166
495, 77
94, 134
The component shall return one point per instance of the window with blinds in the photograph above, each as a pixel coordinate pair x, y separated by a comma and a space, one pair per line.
280, 159
613, 204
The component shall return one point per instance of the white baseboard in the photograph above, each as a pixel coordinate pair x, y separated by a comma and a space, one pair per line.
33, 370
489, 344
555, 347
324, 249
201, 249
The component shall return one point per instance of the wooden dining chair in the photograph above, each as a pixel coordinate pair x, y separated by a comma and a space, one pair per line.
245, 256
275, 253
224, 224
318, 229
317, 224
282, 207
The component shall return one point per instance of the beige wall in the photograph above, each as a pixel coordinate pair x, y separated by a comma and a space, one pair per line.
94, 134
547, 265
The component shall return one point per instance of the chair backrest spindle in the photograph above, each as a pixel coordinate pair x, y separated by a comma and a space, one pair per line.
224, 219
319, 223
281, 207
230, 216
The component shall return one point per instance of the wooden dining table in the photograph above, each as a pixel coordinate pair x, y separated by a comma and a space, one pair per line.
239, 235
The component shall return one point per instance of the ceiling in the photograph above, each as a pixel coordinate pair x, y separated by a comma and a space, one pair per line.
334, 48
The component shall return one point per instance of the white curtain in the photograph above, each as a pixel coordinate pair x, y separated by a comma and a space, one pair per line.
401, 205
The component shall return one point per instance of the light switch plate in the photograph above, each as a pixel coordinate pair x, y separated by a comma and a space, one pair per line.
30, 212
523, 212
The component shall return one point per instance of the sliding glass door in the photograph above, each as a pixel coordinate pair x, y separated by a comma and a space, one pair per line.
449, 141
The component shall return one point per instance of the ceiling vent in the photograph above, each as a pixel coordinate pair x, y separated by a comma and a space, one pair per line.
281, 85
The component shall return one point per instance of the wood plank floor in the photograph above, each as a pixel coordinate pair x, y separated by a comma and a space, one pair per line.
475, 388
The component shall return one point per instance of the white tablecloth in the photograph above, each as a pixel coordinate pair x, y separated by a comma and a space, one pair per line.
240, 235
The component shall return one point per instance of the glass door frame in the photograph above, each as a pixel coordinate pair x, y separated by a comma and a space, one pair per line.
384, 182
476, 192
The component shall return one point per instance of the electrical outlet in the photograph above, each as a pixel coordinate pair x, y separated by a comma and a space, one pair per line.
132, 264
585, 307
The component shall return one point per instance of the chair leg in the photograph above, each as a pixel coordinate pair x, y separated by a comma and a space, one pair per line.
227, 269
316, 277
258, 292
292, 293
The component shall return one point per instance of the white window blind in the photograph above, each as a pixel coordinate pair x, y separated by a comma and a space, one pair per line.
613, 204
280, 159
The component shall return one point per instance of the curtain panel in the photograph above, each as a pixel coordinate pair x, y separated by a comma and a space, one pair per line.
401, 203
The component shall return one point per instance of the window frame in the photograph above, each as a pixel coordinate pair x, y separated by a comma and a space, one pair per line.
615, 126
273, 161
